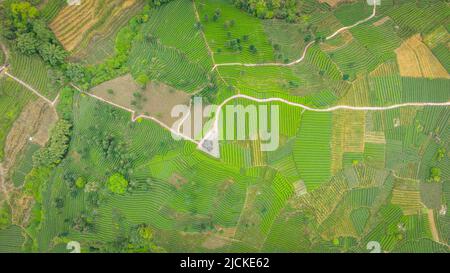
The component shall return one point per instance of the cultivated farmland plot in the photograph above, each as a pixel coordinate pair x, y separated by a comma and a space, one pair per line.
98, 99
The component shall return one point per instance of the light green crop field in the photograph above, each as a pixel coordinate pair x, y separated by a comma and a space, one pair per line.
233, 24
11, 239
35, 73
348, 14
312, 148
270, 81
180, 17
360, 122
168, 65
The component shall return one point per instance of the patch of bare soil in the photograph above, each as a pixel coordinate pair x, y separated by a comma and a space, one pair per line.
156, 99
19, 202
381, 21
75, 155
214, 241
21, 205
300, 188
344, 39
221, 238
177, 181
225, 185
46, 123
33, 124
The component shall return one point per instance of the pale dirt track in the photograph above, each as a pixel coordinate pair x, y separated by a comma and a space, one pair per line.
306, 47
433, 228
329, 109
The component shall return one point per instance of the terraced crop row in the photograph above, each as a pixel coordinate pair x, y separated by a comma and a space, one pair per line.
441, 52
11, 239
381, 41
51, 9
178, 17
233, 24
69, 32
348, 14
413, 19
74, 23
312, 151
102, 44
354, 59
425, 90
323, 62
235, 155
262, 82
34, 72
168, 65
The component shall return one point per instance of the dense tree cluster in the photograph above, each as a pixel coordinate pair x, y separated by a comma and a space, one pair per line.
55, 150
58, 203
17, 17
440, 154
115, 150
435, 174
31, 36
116, 65
234, 44
29, 33
65, 103
93, 198
157, 3
83, 223
75, 183
141, 239
268, 9
80, 183
117, 184
70, 179
138, 240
